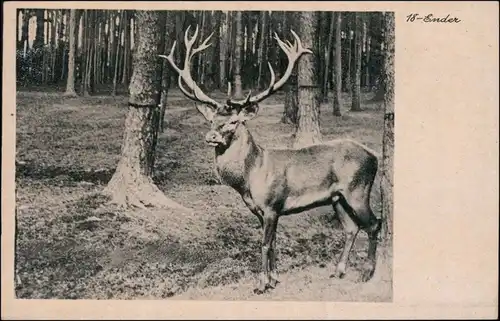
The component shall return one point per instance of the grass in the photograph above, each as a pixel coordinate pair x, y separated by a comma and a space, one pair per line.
72, 245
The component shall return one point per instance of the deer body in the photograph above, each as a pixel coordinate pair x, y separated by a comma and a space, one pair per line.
290, 181
277, 182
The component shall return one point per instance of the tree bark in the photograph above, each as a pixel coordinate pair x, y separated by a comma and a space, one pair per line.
70, 83
132, 184
356, 76
349, 23
337, 75
126, 48
53, 46
40, 23
262, 52
118, 54
238, 90
169, 25
223, 51
383, 271
24, 31
308, 127
328, 54
291, 106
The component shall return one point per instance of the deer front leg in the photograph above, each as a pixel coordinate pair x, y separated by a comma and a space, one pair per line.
253, 208
272, 263
270, 223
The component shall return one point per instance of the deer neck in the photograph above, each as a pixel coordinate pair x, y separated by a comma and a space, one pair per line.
235, 162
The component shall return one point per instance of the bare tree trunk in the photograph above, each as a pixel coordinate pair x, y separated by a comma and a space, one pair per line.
40, 21
367, 43
132, 183
349, 24
327, 56
118, 55
112, 47
238, 90
126, 48
168, 39
337, 75
223, 40
356, 76
24, 31
262, 47
53, 46
308, 127
70, 83
290, 110
383, 271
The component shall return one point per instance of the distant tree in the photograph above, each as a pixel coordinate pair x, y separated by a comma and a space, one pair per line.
290, 109
308, 127
70, 82
238, 90
337, 74
262, 51
356, 72
132, 184
384, 266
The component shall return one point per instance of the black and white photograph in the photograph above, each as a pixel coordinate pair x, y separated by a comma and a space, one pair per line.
204, 154
250, 160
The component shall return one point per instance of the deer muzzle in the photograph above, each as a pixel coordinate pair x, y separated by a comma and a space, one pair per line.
213, 138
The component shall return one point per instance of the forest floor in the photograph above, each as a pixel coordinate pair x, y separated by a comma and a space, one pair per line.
71, 245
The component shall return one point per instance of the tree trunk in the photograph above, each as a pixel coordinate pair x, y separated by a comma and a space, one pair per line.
118, 54
24, 31
63, 44
262, 52
337, 75
356, 75
132, 183
126, 48
238, 90
308, 127
327, 56
348, 59
168, 40
383, 271
223, 51
290, 109
366, 42
40, 23
70, 83
53, 46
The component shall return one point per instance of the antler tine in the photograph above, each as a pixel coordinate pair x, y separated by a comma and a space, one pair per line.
293, 52
299, 43
203, 45
185, 73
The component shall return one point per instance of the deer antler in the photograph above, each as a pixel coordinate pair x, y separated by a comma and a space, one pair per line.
293, 52
185, 74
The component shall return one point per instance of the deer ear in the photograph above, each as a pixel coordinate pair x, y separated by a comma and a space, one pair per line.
206, 111
248, 112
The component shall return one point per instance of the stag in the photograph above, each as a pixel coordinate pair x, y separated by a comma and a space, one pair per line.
278, 182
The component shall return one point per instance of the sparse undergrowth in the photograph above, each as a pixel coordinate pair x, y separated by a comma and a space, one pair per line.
72, 244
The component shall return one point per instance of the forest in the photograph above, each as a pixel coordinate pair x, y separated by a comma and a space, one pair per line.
116, 191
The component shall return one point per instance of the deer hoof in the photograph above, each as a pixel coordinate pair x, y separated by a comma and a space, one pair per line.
273, 283
367, 275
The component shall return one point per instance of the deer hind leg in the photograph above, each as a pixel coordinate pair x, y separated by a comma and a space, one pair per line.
272, 263
270, 224
358, 205
372, 229
351, 230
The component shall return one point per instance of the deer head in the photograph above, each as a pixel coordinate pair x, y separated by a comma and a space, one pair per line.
225, 117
